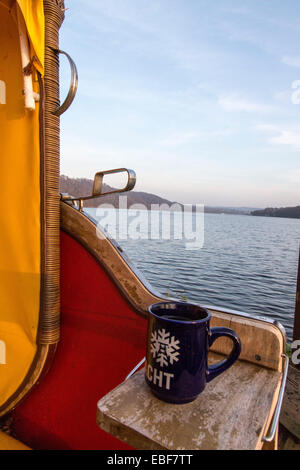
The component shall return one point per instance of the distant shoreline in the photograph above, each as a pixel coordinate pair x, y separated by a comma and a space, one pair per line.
82, 186
283, 212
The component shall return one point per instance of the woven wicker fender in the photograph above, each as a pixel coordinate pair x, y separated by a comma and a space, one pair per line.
30, 264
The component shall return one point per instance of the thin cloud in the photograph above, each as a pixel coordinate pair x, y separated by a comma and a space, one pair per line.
182, 138
291, 61
283, 96
288, 137
237, 10
179, 139
233, 103
285, 137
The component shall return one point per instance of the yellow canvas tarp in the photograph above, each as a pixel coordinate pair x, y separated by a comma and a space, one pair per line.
33, 14
20, 217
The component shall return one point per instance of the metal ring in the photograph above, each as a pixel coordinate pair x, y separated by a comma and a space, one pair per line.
73, 86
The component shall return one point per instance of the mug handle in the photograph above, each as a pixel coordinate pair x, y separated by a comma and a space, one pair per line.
216, 369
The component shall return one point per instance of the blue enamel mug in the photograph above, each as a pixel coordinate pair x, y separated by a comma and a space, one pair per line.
179, 338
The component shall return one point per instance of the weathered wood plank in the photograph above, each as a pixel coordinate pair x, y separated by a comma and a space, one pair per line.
233, 412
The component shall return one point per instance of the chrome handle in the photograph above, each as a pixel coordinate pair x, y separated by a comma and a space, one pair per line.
97, 188
271, 435
73, 86
98, 179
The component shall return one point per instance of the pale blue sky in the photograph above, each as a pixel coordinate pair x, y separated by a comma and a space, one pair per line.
195, 96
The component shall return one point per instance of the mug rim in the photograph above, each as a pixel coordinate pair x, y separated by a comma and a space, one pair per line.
188, 322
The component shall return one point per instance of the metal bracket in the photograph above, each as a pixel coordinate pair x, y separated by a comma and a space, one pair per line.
97, 187
73, 86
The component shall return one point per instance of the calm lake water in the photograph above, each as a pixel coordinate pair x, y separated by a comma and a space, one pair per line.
247, 263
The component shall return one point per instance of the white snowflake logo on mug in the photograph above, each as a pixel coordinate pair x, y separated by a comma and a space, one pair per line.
164, 348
